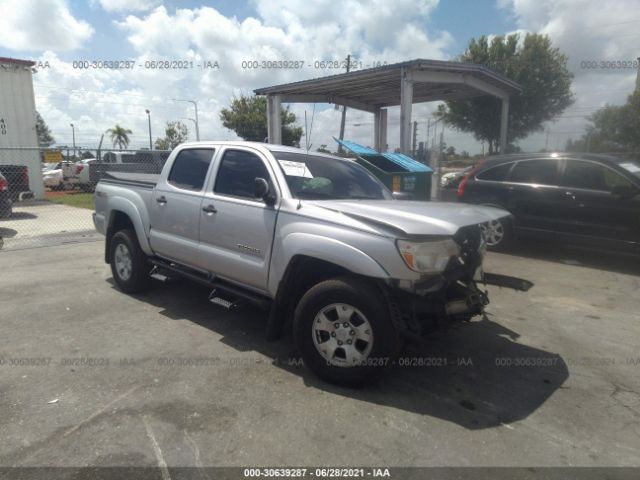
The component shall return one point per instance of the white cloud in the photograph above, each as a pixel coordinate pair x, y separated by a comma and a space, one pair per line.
128, 5
288, 31
40, 25
584, 31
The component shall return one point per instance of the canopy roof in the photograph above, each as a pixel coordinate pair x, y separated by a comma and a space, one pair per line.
377, 87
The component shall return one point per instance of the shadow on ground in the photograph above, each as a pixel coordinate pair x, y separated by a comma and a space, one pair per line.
22, 216
7, 232
476, 375
573, 255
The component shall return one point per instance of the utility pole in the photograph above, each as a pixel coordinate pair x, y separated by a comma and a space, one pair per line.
344, 111
435, 182
415, 138
149, 118
546, 142
73, 132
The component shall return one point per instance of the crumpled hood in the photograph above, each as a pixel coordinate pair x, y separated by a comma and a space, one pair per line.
414, 218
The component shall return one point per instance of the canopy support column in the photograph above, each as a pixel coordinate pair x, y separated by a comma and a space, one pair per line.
406, 101
504, 122
274, 124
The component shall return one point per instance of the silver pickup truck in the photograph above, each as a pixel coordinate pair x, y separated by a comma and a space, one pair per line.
314, 240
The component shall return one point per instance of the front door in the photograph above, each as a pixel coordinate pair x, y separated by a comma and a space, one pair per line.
591, 210
236, 229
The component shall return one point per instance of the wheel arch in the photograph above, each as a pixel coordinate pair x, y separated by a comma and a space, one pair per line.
302, 272
124, 214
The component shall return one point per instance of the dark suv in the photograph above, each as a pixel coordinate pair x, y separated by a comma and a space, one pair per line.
593, 200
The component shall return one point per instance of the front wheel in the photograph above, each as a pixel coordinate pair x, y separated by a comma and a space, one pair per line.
129, 264
344, 332
498, 235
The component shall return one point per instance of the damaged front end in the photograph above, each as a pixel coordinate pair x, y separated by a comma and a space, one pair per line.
453, 295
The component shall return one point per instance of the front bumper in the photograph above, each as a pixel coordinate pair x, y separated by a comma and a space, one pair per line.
434, 301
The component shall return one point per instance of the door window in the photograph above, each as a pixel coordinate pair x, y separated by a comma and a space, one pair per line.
237, 173
591, 176
540, 172
190, 169
495, 174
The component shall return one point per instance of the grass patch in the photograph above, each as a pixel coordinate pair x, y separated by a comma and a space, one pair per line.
79, 200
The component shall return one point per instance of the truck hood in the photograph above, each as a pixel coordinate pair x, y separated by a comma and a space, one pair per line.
414, 218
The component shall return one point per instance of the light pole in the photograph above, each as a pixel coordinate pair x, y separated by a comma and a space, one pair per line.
73, 132
193, 120
195, 105
149, 118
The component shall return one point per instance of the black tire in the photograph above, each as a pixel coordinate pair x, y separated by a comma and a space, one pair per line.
506, 225
366, 299
138, 280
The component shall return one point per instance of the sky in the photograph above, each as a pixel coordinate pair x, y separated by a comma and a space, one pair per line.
221, 35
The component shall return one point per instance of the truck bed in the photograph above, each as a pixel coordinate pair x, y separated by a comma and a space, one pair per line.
144, 180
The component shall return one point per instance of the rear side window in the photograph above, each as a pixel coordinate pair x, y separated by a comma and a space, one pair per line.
592, 176
190, 169
495, 174
541, 172
237, 173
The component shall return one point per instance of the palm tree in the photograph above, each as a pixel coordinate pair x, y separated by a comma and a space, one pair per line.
119, 136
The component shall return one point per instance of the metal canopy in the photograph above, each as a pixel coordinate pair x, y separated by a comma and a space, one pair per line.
403, 84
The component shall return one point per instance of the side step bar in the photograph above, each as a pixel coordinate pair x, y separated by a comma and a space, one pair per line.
237, 294
506, 281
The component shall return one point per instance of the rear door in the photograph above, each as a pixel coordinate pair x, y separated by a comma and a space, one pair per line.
591, 210
237, 229
533, 194
175, 207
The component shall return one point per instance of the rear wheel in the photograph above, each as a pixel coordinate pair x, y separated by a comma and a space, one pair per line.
344, 332
129, 264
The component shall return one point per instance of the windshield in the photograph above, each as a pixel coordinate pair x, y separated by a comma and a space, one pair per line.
631, 167
323, 178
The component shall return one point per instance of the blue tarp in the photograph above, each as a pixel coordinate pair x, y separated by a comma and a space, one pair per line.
405, 162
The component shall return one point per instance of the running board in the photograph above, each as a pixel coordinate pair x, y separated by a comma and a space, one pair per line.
224, 293
506, 281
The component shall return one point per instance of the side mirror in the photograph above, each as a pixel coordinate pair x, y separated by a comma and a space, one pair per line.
624, 191
261, 190
402, 196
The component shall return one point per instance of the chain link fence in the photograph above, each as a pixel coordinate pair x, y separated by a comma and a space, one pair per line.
46, 195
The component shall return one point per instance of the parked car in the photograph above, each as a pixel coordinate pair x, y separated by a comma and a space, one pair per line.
588, 199
17, 176
81, 177
315, 240
5, 198
451, 180
52, 176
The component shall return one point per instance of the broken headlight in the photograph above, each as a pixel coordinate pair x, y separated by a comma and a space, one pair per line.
428, 257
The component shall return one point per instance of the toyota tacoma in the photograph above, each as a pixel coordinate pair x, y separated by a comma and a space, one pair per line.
316, 241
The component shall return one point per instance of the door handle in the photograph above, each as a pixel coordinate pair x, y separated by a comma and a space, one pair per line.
209, 209
161, 200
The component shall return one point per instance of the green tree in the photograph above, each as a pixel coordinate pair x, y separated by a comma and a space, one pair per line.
119, 136
175, 133
613, 128
247, 116
44, 133
539, 68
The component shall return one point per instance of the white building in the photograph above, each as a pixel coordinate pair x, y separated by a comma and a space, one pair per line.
18, 120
